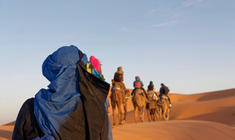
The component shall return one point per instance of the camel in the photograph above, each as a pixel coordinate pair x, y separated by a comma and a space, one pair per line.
165, 108
117, 100
152, 109
126, 97
139, 102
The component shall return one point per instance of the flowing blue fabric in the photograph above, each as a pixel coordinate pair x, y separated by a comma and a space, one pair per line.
53, 105
45, 138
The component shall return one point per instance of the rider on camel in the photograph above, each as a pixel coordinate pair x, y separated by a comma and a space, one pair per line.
138, 84
164, 90
118, 78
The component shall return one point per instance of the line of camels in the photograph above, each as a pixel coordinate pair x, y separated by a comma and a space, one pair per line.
141, 101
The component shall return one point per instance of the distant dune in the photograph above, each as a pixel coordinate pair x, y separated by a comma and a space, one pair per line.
201, 116
216, 106
6, 132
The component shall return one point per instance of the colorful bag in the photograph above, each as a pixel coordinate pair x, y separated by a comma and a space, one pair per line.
96, 63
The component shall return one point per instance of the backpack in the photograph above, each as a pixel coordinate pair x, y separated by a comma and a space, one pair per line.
90, 68
96, 64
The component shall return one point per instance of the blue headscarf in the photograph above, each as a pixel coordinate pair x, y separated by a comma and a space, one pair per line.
53, 105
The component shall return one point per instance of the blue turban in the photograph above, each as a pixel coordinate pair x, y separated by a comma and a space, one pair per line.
53, 105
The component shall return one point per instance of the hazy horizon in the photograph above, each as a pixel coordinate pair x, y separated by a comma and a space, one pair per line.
187, 44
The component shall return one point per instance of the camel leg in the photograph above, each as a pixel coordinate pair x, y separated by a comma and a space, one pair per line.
153, 114
136, 114
148, 111
141, 111
113, 110
165, 114
168, 114
119, 113
125, 111
160, 113
166, 110
148, 114
157, 113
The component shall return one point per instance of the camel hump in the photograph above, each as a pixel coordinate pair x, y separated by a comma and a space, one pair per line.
152, 96
139, 91
118, 86
165, 97
139, 97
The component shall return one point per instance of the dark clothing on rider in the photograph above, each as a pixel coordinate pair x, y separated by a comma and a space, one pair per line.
26, 127
118, 77
164, 90
150, 87
150, 94
117, 82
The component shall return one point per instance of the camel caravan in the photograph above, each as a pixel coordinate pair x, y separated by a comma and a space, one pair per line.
156, 106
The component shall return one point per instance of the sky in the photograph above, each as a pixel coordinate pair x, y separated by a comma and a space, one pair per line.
187, 44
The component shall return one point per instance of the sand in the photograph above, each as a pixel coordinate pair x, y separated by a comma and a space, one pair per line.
6, 132
194, 117
174, 130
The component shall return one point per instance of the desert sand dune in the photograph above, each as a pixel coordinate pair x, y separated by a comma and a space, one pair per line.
212, 106
201, 116
174, 130
6, 132
218, 106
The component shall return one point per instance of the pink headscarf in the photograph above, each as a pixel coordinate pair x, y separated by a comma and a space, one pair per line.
95, 62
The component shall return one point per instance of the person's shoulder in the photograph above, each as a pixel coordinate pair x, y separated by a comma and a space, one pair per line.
27, 107
29, 103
